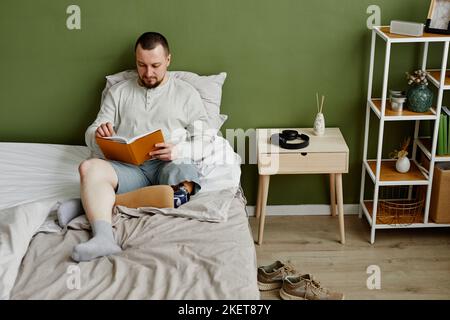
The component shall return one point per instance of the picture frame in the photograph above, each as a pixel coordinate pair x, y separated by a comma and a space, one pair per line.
438, 20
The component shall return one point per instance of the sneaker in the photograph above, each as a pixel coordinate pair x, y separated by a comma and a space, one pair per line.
306, 288
180, 197
271, 277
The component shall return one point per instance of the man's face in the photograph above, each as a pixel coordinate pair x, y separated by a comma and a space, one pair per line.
152, 65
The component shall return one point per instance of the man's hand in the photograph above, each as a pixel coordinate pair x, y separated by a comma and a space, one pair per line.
166, 152
105, 130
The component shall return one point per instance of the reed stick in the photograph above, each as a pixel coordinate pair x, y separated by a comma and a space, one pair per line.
317, 99
321, 105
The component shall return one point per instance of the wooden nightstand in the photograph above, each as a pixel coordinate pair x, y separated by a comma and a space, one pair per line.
327, 154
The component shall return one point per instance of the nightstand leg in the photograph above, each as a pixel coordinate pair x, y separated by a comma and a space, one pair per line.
333, 194
340, 200
259, 198
264, 192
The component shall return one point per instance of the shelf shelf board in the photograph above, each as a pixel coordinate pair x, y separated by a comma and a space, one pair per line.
384, 219
391, 115
390, 176
435, 77
402, 223
424, 144
384, 32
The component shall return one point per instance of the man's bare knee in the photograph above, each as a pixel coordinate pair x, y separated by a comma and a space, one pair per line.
98, 169
88, 166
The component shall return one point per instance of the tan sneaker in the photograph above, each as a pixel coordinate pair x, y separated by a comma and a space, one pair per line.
305, 288
271, 277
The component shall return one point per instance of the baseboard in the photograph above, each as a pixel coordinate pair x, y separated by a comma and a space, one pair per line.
303, 210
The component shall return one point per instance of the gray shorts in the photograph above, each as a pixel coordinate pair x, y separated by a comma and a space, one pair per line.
154, 172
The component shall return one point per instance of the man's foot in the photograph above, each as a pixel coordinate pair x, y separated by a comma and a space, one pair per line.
102, 244
180, 196
69, 210
94, 248
188, 185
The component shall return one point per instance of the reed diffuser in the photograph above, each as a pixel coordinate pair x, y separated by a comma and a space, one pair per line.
319, 122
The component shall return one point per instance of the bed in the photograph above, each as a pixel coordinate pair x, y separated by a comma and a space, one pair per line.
202, 250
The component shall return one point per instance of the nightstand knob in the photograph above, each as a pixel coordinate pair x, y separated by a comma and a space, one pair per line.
304, 153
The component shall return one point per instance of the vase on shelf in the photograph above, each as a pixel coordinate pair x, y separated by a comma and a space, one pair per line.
403, 164
419, 98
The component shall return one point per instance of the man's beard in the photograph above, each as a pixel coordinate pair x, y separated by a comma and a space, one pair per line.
150, 86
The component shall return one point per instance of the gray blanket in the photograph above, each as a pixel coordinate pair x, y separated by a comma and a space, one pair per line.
164, 257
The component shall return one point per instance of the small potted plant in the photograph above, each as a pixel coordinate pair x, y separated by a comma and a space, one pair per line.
419, 96
402, 165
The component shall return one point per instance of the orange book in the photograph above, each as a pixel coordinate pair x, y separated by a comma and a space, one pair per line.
134, 150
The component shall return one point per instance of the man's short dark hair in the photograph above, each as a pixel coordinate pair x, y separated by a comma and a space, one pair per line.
150, 40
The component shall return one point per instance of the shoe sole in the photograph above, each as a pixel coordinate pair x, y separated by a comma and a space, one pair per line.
286, 296
268, 286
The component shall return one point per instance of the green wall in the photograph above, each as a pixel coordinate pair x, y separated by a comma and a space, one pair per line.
277, 54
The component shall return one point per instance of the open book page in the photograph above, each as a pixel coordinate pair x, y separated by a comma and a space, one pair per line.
125, 140
118, 139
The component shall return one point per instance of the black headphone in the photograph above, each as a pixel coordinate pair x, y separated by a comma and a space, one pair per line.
282, 139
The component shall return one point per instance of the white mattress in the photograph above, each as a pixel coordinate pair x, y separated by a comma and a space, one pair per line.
32, 172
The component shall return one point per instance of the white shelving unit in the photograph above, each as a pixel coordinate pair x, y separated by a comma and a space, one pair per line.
382, 171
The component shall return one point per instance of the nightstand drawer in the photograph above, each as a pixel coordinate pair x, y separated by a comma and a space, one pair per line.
293, 163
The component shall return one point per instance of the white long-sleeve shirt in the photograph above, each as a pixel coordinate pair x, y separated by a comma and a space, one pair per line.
175, 107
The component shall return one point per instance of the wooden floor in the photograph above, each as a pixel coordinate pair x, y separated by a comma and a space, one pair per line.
414, 263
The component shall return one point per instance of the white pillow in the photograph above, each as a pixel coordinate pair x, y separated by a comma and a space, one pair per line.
209, 87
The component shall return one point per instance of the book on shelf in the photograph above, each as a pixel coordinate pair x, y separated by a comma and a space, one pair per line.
133, 150
446, 111
443, 133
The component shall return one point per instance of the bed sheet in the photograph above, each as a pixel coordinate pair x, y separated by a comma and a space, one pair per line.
163, 257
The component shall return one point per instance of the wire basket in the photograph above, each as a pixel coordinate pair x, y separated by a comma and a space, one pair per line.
399, 205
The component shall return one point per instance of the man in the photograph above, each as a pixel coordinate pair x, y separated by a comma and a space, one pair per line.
153, 101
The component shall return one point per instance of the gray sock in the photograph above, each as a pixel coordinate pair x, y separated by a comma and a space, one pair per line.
69, 210
102, 244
